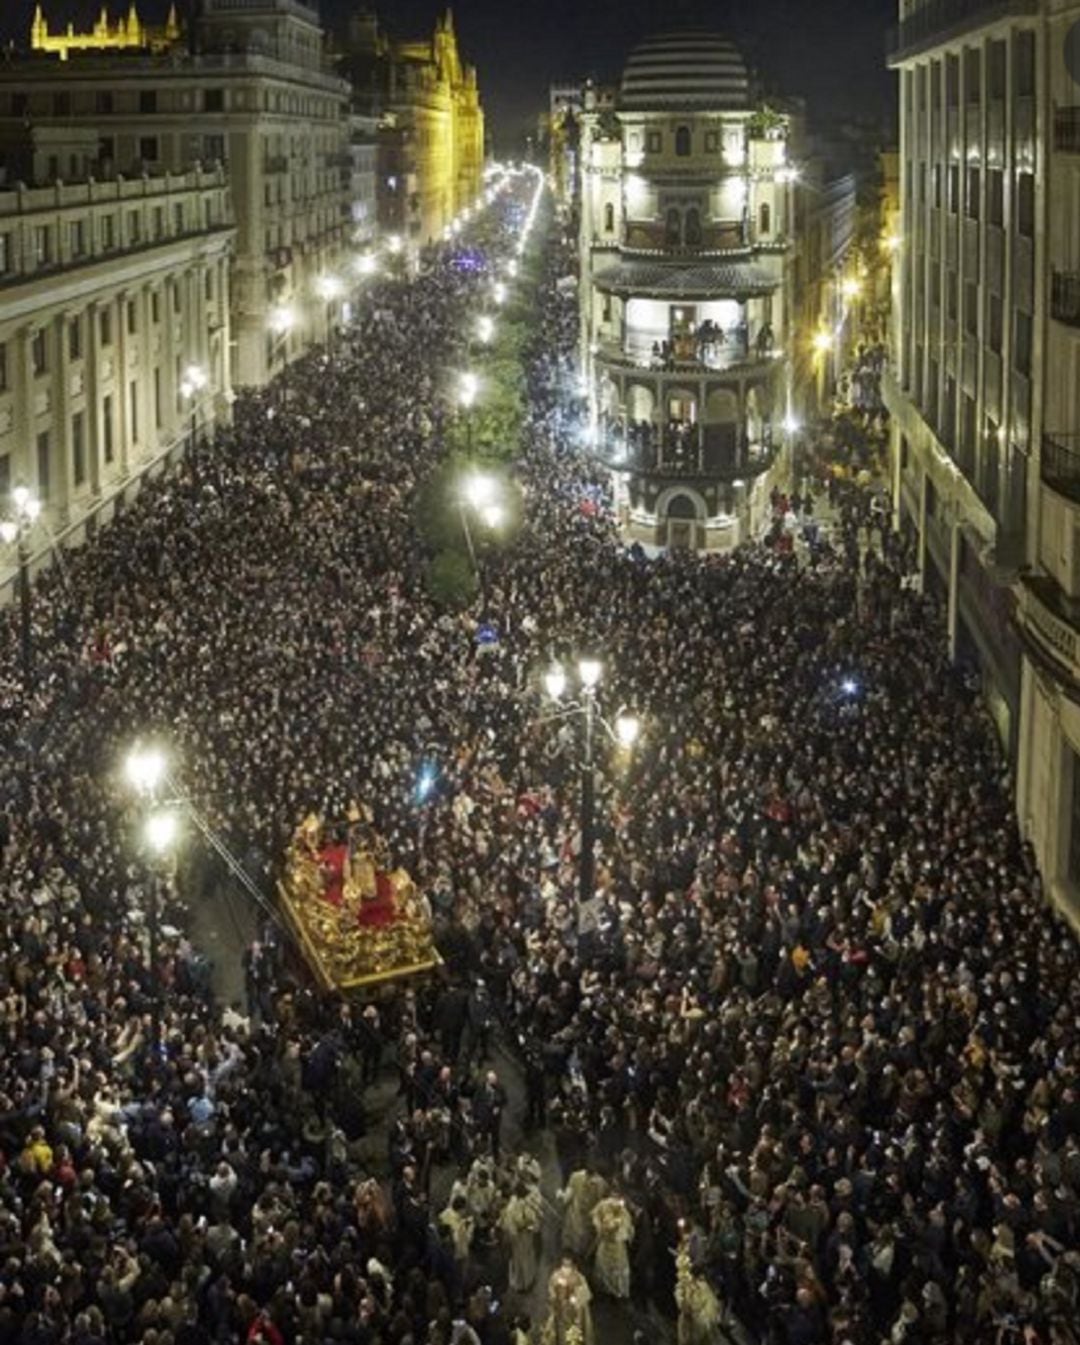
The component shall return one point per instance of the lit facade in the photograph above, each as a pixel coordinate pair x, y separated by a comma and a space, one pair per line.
111, 291
986, 394
249, 89
126, 34
686, 221
431, 130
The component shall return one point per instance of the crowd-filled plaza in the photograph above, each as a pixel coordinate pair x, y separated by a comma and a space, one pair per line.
808, 1059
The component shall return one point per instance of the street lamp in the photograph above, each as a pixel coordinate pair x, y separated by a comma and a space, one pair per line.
485, 329
624, 733
468, 387
499, 293
194, 381
282, 321
478, 492
328, 287
145, 768
366, 264
25, 508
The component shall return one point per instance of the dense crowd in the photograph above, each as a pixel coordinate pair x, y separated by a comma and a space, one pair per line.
817, 1028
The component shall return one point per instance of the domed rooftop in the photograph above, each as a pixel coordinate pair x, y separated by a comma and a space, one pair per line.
691, 68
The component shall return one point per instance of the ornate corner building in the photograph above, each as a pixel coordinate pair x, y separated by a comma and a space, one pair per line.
685, 227
431, 125
985, 393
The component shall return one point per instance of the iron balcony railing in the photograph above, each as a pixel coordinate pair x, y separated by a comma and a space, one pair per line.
1067, 129
1060, 464
935, 20
1065, 297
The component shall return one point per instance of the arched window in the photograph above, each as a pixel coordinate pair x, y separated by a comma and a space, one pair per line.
673, 228
682, 142
609, 218
764, 219
692, 227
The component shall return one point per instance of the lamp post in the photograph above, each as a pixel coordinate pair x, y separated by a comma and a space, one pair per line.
624, 733
282, 321
468, 387
194, 381
25, 509
147, 772
478, 493
329, 288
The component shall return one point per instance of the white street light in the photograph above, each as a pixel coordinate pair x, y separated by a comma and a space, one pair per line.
627, 729
145, 768
161, 831
590, 670
8, 531
555, 681
282, 319
394, 243
468, 387
328, 287
194, 381
499, 293
480, 490
485, 329
494, 515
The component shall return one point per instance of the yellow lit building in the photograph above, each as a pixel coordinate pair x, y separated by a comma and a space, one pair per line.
431, 143
127, 34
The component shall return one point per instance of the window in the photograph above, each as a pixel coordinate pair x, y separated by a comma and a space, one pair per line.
103, 101
62, 104
5, 253
43, 474
673, 228
155, 306
214, 100
77, 238
952, 81
995, 196
974, 183
106, 149
178, 217
609, 218
682, 141
134, 228
692, 227
147, 100
213, 149
105, 326
132, 318
5, 475
42, 245
133, 402
765, 219
159, 222
1022, 342
148, 148
1025, 204
996, 323
20, 104
952, 290
971, 308
38, 352
157, 398
108, 232
1024, 63
652, 142
712, 142
995, 69
3, 368
107, 426
937, 186
973, 74
78, 448
75, 338
176, 296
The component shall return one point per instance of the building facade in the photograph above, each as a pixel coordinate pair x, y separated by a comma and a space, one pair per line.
109, 293
431, 125
986, 392
249, 87
686, 221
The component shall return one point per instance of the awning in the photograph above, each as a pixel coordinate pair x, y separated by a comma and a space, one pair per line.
703, 280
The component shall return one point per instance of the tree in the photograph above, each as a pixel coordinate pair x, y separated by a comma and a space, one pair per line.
451, 580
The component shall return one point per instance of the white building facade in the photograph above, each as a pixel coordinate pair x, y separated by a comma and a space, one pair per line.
685, 231
110, 292
986, 389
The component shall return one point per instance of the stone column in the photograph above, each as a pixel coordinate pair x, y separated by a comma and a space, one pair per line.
61, 469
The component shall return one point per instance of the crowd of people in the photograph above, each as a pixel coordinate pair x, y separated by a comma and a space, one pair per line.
809, 1056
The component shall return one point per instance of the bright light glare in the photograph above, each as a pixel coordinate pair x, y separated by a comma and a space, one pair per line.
493, 516
480, 490
8, 531
394, 243
21, 497
823, 342
467, 389
851, 288
589, 670
485, 329
145, 768
555, 681
500, 293
627, 728
425, 783
791, 425
161, 829
282, 319
366, 263
849, 686
195, 377
329, 287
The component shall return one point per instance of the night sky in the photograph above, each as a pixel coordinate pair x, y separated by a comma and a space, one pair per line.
830, 51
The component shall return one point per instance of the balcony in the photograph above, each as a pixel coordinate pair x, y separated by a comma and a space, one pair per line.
1065, 297
705, 453
732, 353
276, 163
1067, 129
1059, 465
937, 21
1051, 622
